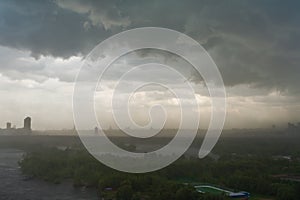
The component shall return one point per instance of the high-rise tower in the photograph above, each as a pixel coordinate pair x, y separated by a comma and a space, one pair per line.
8, 125
27, 123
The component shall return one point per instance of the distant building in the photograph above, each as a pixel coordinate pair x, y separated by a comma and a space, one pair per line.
293, 128
27, 123
96, 130
8, 125
12, 130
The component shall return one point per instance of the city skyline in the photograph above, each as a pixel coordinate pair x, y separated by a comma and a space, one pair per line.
27, 124
12, 129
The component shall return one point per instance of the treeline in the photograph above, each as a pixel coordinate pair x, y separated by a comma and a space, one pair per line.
249, 173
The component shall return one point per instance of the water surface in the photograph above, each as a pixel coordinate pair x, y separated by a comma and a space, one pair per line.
15, 186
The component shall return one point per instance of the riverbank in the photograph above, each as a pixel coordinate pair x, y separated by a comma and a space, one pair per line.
16, 186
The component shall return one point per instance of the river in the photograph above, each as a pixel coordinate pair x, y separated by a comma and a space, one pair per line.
15, 186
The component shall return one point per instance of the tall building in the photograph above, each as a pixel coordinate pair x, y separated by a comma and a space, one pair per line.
8, 125
27, 123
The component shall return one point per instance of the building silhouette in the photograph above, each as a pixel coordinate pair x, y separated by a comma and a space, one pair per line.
27, 123
96, 130
12, 130
8, 125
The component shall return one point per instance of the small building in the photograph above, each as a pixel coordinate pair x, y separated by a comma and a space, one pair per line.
219, 191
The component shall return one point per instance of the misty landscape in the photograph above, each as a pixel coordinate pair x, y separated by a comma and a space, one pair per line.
149, 100
55, 164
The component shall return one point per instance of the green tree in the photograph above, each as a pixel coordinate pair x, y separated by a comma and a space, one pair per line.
124, 192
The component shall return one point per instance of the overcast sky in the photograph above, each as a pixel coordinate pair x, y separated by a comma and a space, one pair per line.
255, 44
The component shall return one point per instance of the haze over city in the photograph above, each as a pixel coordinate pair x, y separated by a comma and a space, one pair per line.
255, 46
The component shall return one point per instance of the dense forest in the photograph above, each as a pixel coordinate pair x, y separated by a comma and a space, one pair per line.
254, 173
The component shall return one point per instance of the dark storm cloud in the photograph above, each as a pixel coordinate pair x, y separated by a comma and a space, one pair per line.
252, 42
45, 29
